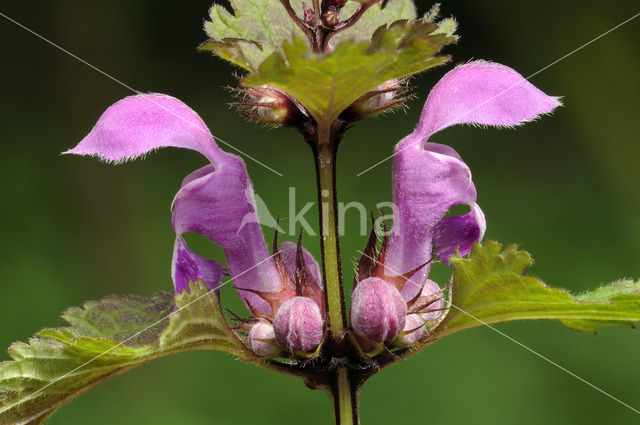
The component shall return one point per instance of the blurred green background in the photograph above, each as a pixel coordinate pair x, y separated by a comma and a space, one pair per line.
565, 188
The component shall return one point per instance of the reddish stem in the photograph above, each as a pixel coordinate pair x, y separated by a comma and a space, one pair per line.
309, 32
348, 23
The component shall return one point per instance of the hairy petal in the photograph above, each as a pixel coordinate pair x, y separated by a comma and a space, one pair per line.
142, 123
429, 306
432, 301
298, 325
414, 330
217, 201
428, 179
262, 339
378, 311
482, 93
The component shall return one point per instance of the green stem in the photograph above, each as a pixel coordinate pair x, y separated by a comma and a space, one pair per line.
325, 167
344, 393
345, 399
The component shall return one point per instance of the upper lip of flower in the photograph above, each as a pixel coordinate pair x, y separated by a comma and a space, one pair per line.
430, 178
213, 200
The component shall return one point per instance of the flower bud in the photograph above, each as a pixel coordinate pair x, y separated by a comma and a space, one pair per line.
377, 310
271, 105
382, 98
298, 325
263, 340
414, 330
331, 17
309, 15
430, 302
275, 105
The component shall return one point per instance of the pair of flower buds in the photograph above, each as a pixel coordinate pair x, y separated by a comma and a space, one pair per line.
393, 301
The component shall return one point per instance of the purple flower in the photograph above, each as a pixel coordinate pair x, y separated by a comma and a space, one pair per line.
283, 290
217, 201
429, 179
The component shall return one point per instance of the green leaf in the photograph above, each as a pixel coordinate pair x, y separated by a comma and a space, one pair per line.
327, 84
490, 286
374, 18
257, 28
253, 32
106, 338
120, 318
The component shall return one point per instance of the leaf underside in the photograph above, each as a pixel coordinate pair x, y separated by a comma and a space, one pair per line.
386, 43
490, 286
327, 84
256, 29
104, 339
